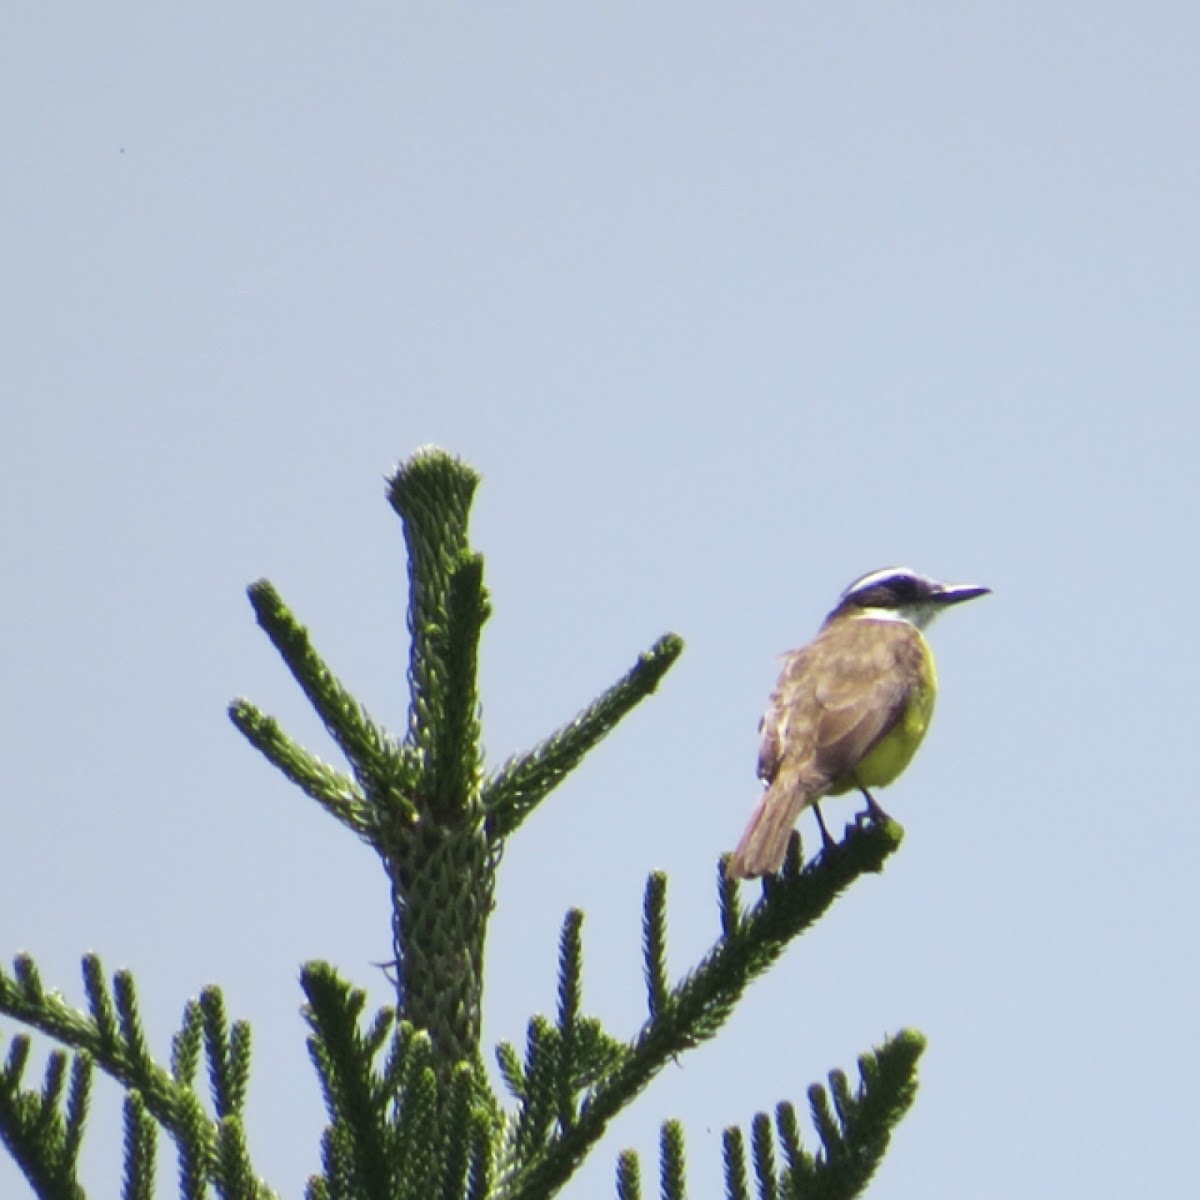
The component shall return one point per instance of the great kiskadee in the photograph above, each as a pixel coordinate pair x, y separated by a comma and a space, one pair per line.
849, 710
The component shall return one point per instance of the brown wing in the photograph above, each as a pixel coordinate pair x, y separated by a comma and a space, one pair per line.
778, 722
837, 697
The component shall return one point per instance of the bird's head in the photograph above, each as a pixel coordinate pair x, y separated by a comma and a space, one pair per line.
899, 594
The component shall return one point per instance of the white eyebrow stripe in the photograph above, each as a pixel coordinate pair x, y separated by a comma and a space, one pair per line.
880, 576
880, 614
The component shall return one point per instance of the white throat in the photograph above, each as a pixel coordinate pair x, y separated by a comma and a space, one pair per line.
917, 615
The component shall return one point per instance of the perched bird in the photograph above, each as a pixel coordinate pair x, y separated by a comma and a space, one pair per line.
850, 708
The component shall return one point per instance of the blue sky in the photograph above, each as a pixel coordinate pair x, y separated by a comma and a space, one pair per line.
728, 306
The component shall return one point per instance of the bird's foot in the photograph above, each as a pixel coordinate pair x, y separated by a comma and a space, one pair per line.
828, 845
873, 814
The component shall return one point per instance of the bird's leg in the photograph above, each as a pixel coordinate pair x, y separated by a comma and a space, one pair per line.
830, 844
877, 815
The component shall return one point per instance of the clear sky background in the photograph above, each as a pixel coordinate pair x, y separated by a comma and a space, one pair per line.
729, 304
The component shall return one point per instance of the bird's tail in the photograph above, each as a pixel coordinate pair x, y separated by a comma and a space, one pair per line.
764, 844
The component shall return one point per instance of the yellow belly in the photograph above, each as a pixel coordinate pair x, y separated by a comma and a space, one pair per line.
894, 751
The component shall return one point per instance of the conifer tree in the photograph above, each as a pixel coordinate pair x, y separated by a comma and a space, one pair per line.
412, 1109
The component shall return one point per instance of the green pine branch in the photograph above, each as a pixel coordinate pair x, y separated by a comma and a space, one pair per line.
110, 1036
411, 1112
679, 1017
525, 780
422, 801
339, 795
43, 1128
447, 606
141, 1149
384, 771
672, 1184
854, 1129
390, 1135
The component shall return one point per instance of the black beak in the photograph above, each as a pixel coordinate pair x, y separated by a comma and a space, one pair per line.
956, 593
